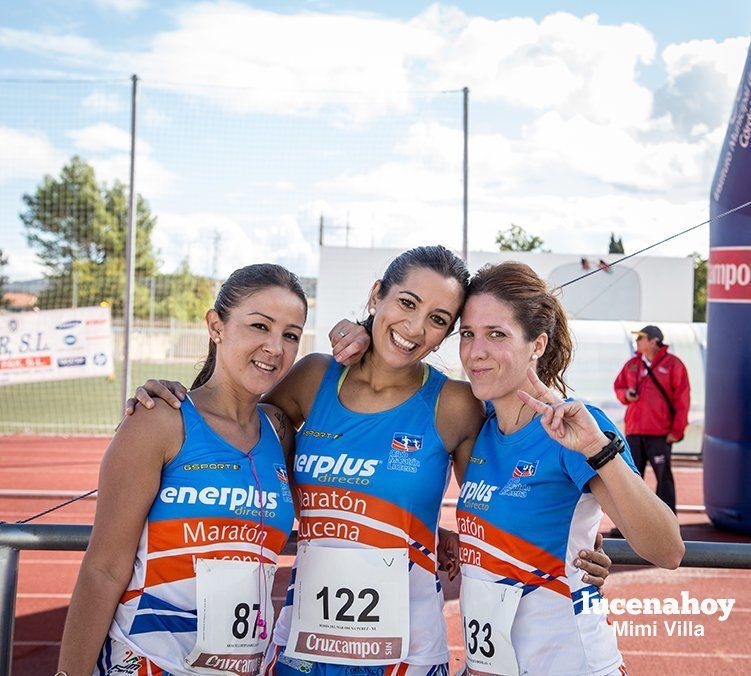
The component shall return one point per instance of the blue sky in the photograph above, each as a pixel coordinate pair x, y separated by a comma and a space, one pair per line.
256, 118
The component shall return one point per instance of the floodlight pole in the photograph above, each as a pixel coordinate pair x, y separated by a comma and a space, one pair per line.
130, 249
465, 209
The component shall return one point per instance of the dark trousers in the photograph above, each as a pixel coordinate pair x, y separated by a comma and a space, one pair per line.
656, 450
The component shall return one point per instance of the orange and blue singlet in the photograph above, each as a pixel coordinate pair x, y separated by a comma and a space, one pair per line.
214, 501
375, 480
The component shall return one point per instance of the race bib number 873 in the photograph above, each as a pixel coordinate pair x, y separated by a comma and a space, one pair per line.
231, 596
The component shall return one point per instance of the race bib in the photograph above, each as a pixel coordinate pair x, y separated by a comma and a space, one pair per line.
488, 611
351, 606
229, 597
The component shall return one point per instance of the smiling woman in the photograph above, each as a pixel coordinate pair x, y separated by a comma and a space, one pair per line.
178, 574
239, 289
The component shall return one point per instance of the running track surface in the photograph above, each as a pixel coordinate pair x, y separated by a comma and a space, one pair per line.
46, 579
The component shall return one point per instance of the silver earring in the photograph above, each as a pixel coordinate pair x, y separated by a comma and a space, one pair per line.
535, 357
371, 312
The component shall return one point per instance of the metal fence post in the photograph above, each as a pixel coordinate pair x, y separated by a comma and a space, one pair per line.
465, 177
8, 584
130, 249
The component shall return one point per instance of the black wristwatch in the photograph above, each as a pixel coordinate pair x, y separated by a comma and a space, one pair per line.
608, 452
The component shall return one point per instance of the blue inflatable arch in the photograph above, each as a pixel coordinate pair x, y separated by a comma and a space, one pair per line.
727, 431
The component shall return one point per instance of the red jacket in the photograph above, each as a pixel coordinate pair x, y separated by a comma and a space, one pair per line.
650, 413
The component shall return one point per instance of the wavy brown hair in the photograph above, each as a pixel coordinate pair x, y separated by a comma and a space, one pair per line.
536, 309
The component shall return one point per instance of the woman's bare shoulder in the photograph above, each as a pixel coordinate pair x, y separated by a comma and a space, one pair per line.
160, 427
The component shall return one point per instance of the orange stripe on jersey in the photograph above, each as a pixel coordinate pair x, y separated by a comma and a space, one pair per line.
130, 594
270, 670
178, 533
511, 544
422, 559
313, 496
322, 527
479, 557
182, 566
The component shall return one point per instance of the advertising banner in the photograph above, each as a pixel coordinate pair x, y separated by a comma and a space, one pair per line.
55, 345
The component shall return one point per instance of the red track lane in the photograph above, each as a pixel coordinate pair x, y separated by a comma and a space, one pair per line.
46, 579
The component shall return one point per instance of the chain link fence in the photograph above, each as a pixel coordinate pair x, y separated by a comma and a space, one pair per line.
224, 177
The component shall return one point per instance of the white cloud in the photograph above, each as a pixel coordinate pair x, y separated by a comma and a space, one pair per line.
22, 264
108, 150
70, 48
100, 138
702, 80
571, 64
619, 159
242, 240
103, 102
153, 117
122, 6
32, 155
288, 63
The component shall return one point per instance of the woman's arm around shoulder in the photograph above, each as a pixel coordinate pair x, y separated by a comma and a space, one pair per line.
459, 419
295, 393
129, 479
283, 427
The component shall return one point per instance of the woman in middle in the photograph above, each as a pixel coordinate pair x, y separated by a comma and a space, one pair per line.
371, 467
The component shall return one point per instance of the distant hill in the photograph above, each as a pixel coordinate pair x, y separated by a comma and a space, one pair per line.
33, 286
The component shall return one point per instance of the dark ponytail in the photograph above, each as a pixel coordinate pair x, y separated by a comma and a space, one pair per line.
436, 258
536, 309
238, 286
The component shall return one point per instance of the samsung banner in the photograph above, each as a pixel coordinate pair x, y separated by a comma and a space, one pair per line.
727, 430
55, 345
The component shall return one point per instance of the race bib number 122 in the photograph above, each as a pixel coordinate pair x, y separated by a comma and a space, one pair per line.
351, 606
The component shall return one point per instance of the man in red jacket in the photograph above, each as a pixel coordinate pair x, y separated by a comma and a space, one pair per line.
654, 385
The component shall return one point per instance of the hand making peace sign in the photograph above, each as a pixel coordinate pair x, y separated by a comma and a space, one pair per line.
567, 422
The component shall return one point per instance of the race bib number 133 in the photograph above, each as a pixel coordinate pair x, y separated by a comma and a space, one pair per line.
488, 611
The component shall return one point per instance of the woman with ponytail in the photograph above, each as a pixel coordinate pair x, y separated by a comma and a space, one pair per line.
540, 473
194, 506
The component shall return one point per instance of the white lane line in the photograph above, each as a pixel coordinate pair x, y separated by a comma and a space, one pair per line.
37, 644
660, 653
67, 596
44, 493
54, 562
656, 576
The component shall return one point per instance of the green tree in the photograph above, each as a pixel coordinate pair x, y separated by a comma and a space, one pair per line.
516, 238
77, 227
616, 245
183, 295
3, 278
700, 287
